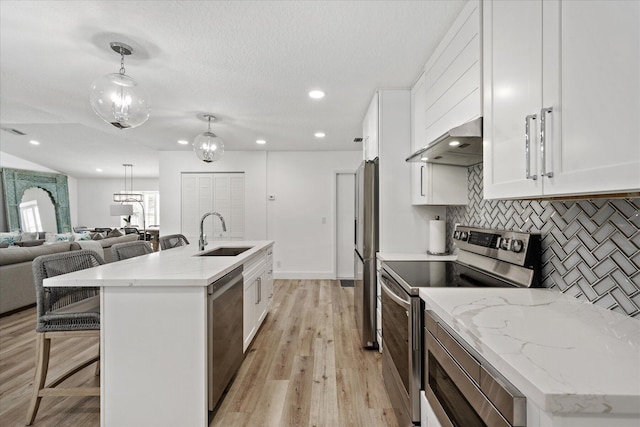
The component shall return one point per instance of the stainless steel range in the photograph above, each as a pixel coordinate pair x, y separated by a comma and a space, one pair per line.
485, 258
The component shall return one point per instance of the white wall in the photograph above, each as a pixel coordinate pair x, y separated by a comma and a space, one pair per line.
301, 219
252, 163
13, 162
304, 185
404, 228
10, 161
96, 197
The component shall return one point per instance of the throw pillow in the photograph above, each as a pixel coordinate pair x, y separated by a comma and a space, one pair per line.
58, 237
97, 236
10, 238
24, 236
81, 236
4, 245
114, 233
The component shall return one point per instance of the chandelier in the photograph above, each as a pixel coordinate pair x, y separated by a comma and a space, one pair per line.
116, 98
128, 195
208, 146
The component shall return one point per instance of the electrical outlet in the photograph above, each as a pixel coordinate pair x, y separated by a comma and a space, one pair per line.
324, 220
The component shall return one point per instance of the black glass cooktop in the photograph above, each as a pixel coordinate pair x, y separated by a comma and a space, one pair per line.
424, 274
413, 275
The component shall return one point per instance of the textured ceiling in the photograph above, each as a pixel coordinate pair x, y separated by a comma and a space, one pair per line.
250, 63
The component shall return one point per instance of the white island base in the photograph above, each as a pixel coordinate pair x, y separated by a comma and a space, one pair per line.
153, 337
154, 356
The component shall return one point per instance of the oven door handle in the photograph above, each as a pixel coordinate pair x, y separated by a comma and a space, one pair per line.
393, 295
483, 406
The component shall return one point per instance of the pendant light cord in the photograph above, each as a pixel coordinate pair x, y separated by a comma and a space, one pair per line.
126, 167
121, 61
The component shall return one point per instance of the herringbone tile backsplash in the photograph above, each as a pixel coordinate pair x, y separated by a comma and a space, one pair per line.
590, 248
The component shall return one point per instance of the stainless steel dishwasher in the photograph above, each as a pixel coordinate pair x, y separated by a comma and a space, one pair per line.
224, 332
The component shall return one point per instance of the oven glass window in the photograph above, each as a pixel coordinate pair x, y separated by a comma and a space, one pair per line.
458, 409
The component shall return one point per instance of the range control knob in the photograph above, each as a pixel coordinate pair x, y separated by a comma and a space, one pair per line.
517, 245
504, 243
456, 235
464, 235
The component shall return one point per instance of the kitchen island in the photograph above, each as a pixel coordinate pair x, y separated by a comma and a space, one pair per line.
153, 347
577, 364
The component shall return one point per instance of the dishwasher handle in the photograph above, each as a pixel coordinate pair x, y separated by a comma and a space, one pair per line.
226, 282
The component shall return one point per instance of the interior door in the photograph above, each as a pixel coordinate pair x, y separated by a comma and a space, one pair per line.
345, 224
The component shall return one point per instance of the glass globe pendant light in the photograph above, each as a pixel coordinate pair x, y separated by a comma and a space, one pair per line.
116, 98
208, 146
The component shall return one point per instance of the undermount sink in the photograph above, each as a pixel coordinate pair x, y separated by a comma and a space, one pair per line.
226, 251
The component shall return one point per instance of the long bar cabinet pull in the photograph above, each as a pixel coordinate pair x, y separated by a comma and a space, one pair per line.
543, 148
527, 146
422, 180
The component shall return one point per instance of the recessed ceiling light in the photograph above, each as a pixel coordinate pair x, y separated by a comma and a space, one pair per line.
319, 135
454, 143
260, 141
183, 142
424, 158
34, 142
316, 94
98, 170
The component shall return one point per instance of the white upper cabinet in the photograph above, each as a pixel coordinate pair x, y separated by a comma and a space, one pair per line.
565, 74
370, 130
448, 94
432, 184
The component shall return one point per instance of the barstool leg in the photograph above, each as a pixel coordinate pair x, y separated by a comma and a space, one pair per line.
43, 347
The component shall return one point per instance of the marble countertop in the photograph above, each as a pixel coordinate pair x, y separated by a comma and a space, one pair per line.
174, 267
567, 355
393, 256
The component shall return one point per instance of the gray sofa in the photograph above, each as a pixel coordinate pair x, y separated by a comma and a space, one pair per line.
17, 288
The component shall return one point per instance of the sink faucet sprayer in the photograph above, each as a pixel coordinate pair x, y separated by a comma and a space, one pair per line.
203, 238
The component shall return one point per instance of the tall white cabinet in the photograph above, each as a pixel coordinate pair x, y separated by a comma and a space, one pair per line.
207, 192
561, 97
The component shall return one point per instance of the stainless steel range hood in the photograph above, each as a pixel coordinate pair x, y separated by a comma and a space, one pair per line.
460, 146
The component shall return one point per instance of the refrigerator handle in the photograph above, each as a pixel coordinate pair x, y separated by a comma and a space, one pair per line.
355, 232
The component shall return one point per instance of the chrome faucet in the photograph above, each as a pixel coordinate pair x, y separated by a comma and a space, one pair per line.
202, 242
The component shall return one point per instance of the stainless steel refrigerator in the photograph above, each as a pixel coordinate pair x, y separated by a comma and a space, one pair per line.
366, 246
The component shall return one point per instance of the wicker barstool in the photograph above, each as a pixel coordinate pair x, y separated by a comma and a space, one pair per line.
63, 312
173, 241
126, 250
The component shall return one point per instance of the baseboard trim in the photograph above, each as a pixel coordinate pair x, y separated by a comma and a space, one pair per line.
15, 310
304, 275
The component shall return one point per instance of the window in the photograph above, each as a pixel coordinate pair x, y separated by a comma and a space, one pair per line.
30, 216
151, 202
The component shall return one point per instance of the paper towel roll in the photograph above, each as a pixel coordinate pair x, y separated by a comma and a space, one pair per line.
437, 244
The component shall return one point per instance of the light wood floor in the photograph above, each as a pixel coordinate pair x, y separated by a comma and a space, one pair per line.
304, 368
